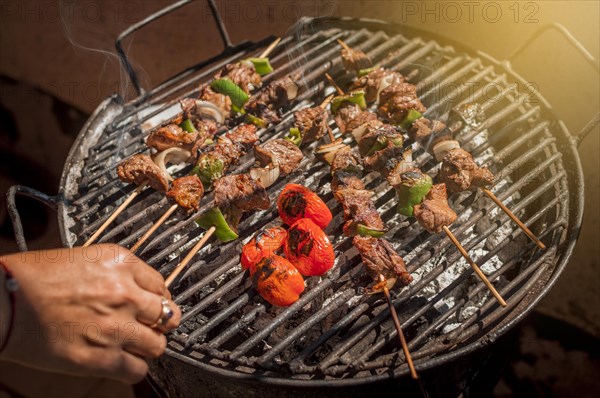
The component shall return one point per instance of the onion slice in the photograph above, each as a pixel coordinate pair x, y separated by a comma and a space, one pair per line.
442, 148
328, 151
384, 83
358, 132
291, 90
266, 175
209, 110
170, 155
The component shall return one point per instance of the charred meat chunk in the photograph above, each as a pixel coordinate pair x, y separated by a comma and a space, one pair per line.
386, 160
460, 172
170, 136
344, 116
346, 160
343, 179
423, 128
139, 169
355, 59
241, 191
266, 103
434, 213
372, 82
378, 137
358, 208
280, 152
312, 123
364, 119
397, 100
187, 192
244, 134
241, 74
204, 124
221, 101
380, 258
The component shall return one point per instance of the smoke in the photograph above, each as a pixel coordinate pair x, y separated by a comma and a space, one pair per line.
87, 27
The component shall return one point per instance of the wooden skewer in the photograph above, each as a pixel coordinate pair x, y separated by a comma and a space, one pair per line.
205, 237
115, 214
403, 344
334, 84
475, 267
270, 48
527, 231
323, 105
154, 227
344, 45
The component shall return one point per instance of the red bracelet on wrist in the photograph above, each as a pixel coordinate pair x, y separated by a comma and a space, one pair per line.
11, 286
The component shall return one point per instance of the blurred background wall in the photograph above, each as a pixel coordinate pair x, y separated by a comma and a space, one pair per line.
57, 63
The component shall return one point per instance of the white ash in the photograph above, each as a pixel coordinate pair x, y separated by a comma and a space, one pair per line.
354, 301
332, 297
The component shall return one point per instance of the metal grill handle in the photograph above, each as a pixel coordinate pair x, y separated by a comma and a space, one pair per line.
566, 33
135, 27
11, 204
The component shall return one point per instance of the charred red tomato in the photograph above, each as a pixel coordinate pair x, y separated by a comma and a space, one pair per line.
277, 280
263, 244
296, 202
308, 248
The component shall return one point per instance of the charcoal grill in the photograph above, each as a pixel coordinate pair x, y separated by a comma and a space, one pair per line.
335, 340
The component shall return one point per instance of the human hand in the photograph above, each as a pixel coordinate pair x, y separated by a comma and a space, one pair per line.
87, 312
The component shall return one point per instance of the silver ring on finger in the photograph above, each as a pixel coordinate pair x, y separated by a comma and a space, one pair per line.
166, 313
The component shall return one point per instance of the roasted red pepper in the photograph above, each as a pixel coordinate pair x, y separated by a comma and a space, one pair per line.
277, 280
297, 201
263, 244
308, 248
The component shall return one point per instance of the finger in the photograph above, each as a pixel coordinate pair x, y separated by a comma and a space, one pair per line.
146, 343
150, 310
149, 279
132, 368
115, 364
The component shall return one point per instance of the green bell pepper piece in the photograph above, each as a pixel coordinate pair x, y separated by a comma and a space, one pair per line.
256, 121
412, 190
364, 72
262, 66
232, 90
295, 136
356, 97
380, 143
208, 169
363, 230
409, 119
214, 218
188, 125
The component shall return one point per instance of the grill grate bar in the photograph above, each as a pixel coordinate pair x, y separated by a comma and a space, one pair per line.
300, 331
260, 335
223, 315
231, 331
460, 90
